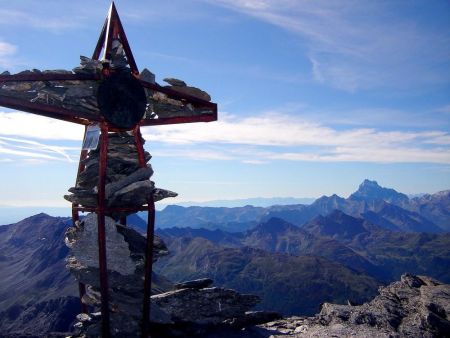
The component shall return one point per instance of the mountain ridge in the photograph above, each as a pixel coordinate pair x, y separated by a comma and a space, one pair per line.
430, 213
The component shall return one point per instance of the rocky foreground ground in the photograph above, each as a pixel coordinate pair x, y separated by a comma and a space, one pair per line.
415, 306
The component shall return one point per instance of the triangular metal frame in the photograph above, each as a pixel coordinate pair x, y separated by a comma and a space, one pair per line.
113, 29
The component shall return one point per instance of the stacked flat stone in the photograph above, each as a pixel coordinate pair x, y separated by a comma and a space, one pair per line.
128, 184
74, 95
161, 105
125, 250
81, 96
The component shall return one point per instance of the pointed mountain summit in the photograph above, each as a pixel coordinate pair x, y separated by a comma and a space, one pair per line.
370, 191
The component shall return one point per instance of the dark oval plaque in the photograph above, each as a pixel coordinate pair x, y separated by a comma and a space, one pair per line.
121, 99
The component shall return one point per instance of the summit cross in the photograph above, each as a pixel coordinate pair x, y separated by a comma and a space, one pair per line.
111, 94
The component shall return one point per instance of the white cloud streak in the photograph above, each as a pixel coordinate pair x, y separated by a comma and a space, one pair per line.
33, 149
38, 20
38, 127
7, 54
272, 129
19, 131
258, 139
249, 139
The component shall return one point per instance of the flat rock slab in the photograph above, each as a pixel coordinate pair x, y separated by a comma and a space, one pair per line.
208, 306
195, 284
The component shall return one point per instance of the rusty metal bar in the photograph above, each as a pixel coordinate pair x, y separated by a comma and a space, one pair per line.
100, 42
101, 231
177, 95
125, 209
139, 146
125, 44
146, 304
47, 77
75, 218
47, 110
94, 77
146, 311
81, 165
180, 119
109, 33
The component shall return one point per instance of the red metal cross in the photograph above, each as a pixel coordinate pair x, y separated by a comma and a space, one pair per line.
191, 108
74, 96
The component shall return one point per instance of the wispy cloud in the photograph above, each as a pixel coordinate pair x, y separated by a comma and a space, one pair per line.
34, 152
19, 132
37, 19
7, 54
38, 127
273, 129
358, 45
197, 154
6, 160
29, 148
444, 110
273, 136
269, 136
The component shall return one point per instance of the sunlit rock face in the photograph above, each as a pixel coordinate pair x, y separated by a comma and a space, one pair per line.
415, 306
125, 250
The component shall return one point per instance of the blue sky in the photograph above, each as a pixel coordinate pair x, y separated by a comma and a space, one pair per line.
314, 96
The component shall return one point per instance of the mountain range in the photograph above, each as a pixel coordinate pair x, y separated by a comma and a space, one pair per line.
294, 257
347, 250
384, 207
256, 201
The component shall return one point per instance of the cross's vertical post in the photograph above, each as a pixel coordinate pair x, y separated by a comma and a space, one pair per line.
148, 268
101, 231
146, 308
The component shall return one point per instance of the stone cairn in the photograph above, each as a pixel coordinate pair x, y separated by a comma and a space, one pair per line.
127, 184
187, 309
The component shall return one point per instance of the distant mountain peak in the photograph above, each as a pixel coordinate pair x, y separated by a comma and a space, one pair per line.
369, 183
370, 191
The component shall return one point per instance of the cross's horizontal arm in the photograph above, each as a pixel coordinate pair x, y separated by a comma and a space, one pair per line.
47, 77
21, 101
45, 110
